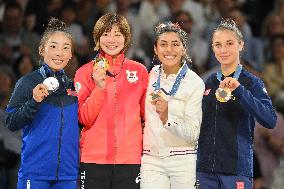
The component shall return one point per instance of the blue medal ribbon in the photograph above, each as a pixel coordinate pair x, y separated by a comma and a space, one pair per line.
236, 74
176, 84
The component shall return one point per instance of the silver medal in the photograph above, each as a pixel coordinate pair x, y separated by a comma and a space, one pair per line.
51, 83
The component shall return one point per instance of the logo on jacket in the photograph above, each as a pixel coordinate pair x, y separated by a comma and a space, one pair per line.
264, 90
206, 92
240, 185
77, 87
131, 76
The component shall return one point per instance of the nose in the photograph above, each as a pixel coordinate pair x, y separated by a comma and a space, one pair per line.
223, 48
59, 52
169, 48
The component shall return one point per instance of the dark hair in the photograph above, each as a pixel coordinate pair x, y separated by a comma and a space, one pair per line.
54, 25
170, 27
229, 24
105, 23
13, 5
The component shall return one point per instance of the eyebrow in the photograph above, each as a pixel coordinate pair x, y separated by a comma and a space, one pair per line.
226, 41
54, 42
171, 41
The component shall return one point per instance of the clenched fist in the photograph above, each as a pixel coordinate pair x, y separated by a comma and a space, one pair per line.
40, 92
99, 76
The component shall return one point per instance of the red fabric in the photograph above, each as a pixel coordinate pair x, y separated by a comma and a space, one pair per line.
112, 132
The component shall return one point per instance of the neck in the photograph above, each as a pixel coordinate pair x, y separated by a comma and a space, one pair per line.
229, 69
172, 69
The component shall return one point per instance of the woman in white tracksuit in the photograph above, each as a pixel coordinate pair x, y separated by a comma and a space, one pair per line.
173, 115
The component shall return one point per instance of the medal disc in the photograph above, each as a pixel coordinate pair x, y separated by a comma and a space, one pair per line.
102, 63
223, 95
51, 83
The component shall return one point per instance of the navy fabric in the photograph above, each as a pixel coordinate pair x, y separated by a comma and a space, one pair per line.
50, 147
226, 136
218, 181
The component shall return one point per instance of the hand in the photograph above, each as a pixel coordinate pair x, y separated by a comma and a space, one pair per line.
161, 108
40, 92
99, 76
230, 83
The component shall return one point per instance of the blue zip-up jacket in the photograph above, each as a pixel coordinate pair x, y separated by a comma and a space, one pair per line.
50, 148
225, 143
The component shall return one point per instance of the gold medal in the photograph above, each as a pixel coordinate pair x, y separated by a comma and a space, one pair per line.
223, 95
102, 63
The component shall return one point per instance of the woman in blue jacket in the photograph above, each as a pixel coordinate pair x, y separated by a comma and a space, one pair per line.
234, 98
41, 105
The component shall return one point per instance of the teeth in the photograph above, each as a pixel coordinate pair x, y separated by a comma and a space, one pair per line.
58, 61
169, 57
111, 47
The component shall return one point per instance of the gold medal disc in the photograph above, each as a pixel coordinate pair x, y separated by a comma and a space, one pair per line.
223, 95
102, 63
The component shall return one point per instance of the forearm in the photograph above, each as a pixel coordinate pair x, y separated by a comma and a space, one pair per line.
17, 118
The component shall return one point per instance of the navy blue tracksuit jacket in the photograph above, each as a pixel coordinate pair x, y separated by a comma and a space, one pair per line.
226, 138
50, 148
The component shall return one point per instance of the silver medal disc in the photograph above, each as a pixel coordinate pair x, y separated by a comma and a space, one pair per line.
51, 83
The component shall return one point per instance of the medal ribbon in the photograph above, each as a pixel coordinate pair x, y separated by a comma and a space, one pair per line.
236, 74
176, 84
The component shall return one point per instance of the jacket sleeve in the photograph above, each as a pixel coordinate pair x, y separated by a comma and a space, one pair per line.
90, 99
257, 103
22, 107
188, 126
145, 83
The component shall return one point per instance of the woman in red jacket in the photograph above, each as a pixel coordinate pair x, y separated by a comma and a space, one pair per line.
111, 93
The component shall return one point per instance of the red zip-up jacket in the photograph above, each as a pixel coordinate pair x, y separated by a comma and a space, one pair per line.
112, 117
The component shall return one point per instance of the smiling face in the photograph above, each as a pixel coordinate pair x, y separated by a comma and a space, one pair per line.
112, 42
57, 51
170, 50
227, 47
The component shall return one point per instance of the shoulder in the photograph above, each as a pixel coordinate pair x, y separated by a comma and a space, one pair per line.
246, 75
85, 69
30, 79
212, 77
251, 81
193, 80
134, 63
155, 71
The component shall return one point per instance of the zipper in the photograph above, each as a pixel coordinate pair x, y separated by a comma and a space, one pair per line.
115, 120
214, 139
60, 138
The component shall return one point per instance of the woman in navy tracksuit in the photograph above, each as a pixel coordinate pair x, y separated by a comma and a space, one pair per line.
48, 117
225, 154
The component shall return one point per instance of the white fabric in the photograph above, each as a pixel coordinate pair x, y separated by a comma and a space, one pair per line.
176, 172
184, 113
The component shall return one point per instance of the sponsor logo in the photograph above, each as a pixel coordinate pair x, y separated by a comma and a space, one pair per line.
138, 178
197, 185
